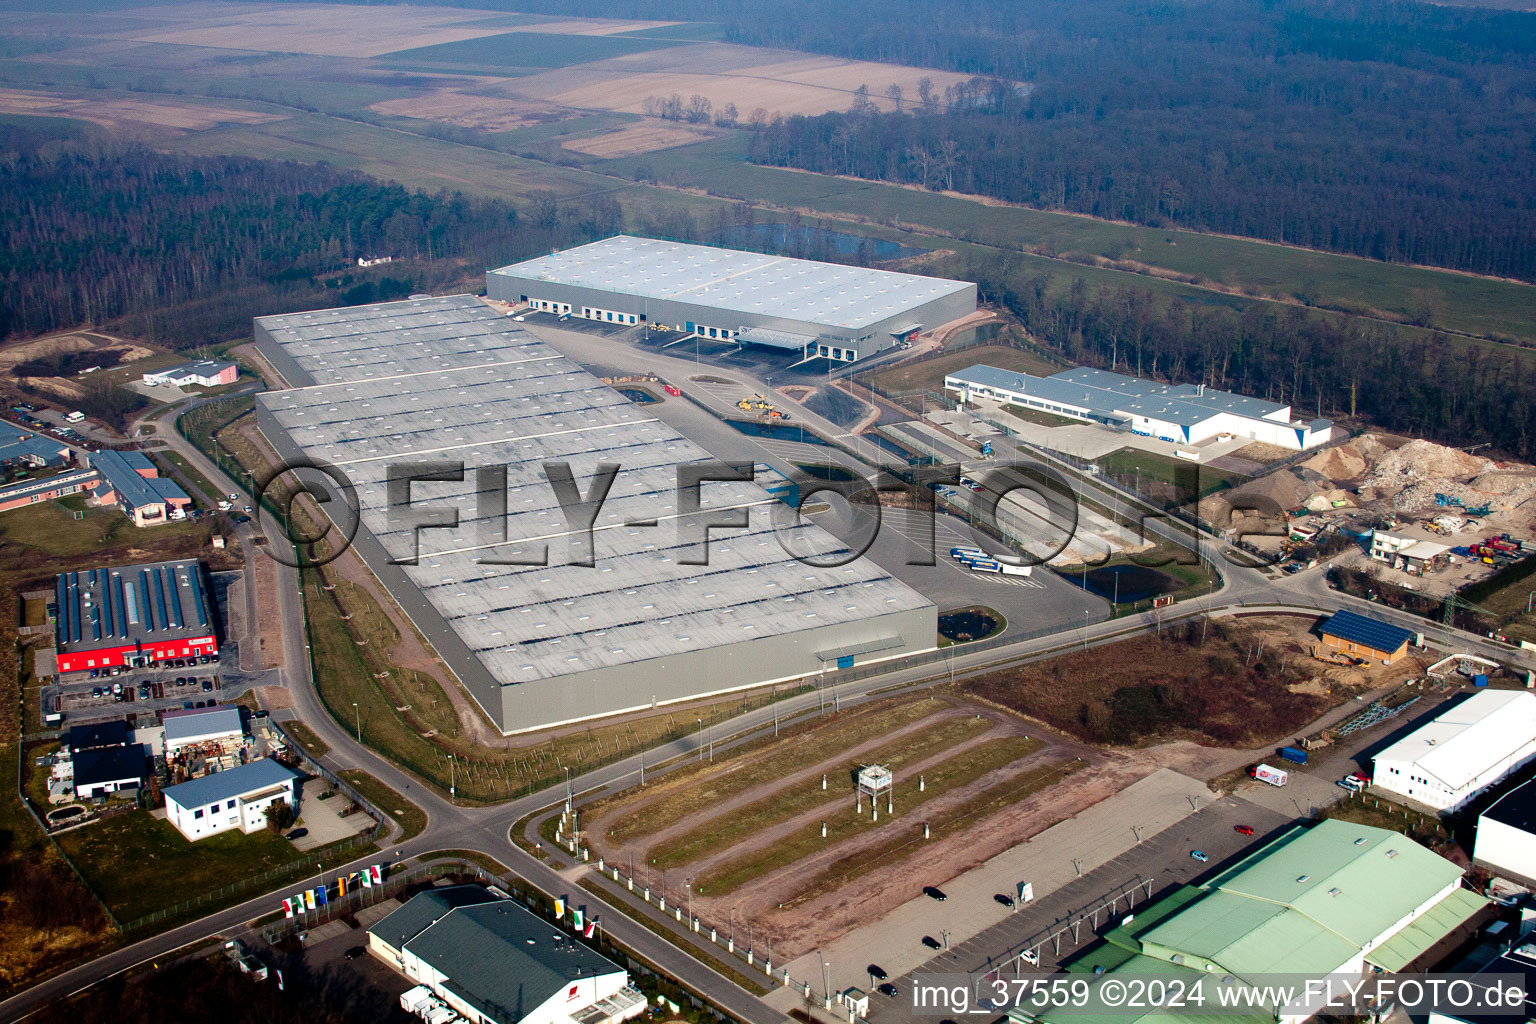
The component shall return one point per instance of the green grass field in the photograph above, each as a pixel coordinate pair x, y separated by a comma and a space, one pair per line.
1133, 464
693, 790
305, 737
48, 527
736, 826
139, 865
512, 52
1476, 305
929, 374
410, 818
959, 771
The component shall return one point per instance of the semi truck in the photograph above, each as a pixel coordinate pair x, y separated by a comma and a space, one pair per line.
413, 999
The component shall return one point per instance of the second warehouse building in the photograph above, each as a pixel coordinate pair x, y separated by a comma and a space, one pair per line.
809, 309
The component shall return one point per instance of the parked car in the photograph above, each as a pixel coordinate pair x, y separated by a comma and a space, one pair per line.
1004, 899
1199, 855
1243, 830
933, 892
95, 673
931, 942
354, 952
877, 972
298, 833
234, 497
1350, 783
207, 685
95, 691
887, 989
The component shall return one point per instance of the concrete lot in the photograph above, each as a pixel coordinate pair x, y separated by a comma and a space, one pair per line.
1163, 859
900, 545
1139, 833
323, 819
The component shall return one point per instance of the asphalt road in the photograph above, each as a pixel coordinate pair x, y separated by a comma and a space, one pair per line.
485, 829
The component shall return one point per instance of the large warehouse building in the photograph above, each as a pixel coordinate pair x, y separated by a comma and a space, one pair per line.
133, 615
1462, 751
1177, 413
543, 644
807, 308
1336, 899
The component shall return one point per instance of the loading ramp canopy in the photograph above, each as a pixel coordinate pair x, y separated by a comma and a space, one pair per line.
775, 339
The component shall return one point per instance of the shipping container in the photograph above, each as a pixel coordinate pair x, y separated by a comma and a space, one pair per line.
1294, 754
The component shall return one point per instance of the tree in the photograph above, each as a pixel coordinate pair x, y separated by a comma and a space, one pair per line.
280, 815
697, 111
893, 92
726, 118
758, 119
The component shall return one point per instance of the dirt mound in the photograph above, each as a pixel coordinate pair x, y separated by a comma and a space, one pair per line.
1285, 489
1506, 479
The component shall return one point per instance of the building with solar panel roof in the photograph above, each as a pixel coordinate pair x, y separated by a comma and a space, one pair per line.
1365, 637
133, 615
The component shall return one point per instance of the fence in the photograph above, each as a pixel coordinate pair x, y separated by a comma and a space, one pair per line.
21, 755
356, 900
251, 883
346, 789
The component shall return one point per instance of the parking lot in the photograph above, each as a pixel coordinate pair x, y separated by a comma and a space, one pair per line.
1163, 859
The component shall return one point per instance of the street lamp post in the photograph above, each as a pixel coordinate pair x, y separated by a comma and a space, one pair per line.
567, 788
453, 777
701, 736
359, 714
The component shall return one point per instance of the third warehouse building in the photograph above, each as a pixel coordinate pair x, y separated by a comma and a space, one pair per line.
808, 309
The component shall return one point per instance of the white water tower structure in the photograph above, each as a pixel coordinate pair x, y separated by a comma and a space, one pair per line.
874, 779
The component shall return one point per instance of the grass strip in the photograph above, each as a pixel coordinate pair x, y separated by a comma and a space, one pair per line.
611, 897
985, 803
406, 814
960, 771
805, 746
729, 829
485, 861
305, 737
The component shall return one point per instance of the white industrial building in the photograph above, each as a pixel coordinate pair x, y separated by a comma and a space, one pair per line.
809, 309
1176, 413
237, 798
492, 962
208, 373
1463, 751
1506, 835
203, 728
540, 628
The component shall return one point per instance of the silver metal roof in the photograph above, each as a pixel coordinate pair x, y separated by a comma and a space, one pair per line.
737, 282
449, 378
1103, 392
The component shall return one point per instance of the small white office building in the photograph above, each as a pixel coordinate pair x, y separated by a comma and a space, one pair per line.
1463, 751
237, 798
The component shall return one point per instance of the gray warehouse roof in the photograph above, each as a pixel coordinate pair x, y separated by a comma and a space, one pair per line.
498, 957
131, 604
450, 379
181, 726
1103, 392
738, 282
121, 471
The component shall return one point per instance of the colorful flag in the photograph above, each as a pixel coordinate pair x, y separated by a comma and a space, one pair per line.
367, 879
378, 874
579, 917
559, 907
591, 929
320, 895
287, 908
309, 899
298, 903
279, 980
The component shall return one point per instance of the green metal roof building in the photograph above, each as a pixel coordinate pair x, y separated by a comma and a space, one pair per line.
1336, 898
